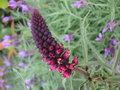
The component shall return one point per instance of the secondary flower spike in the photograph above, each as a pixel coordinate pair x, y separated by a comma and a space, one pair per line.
52, 52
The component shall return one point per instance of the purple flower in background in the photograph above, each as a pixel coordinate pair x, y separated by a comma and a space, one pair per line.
9, 86
113, 41
28, 88
118, 66
28, 81
7, 62
34, 79
3, 71
29, 24
42, 82
6, 37
105, 30
2, 82
68, 38
18, 3
13, 4
100, 38
25, 53
111, 25
111, 61
61, 89
25, 8
10, 40
80, 3
109, 50
7, 18
24, 65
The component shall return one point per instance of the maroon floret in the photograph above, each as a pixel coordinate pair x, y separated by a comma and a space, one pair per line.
52, 52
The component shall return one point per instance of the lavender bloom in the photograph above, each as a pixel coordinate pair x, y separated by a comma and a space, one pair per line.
113, 41
111, 25
105, 30
23, 65
100, 38
3, 71
7, 62
13, 4
9, 86
111, 61
61, 89
24, 8
118, 66
109, 50
42, 82
29, 24
25, 53
2, 82
80, 3
10, 40
28, 88
7, 18
29, 81
34, 79
68, 38
19, 3
6, 37
22, 53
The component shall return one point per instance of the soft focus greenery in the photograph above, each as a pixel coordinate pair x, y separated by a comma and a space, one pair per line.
86, 23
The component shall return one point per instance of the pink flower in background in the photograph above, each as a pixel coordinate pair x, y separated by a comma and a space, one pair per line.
80, 3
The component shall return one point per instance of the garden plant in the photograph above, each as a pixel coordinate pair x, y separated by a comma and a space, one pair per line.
59, 44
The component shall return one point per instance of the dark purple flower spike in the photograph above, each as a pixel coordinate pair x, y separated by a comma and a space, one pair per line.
52, 52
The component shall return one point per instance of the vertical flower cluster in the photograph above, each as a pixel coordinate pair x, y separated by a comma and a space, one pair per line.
52, 52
